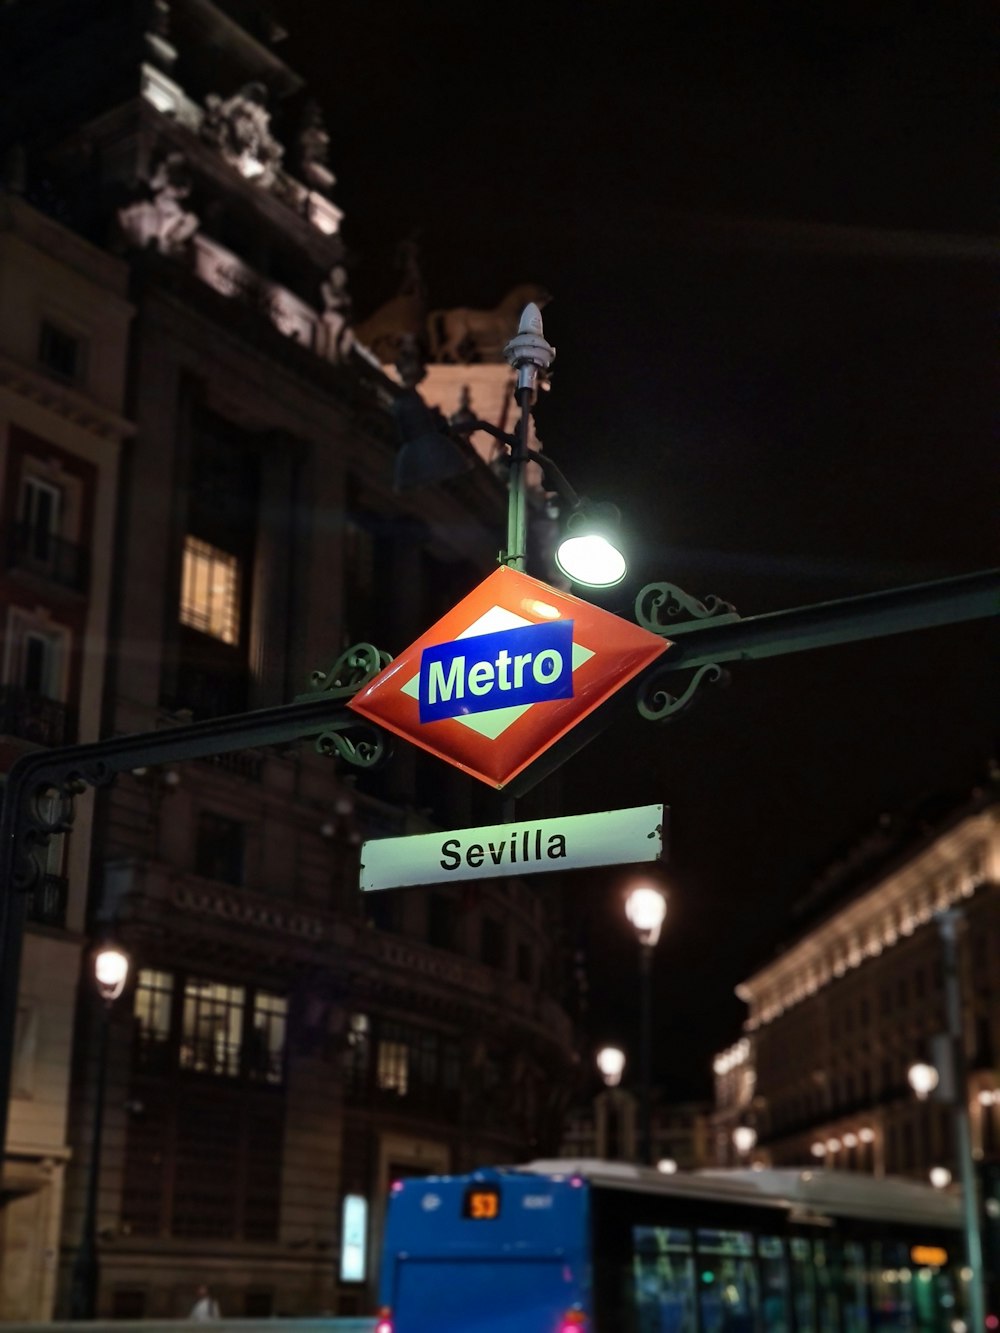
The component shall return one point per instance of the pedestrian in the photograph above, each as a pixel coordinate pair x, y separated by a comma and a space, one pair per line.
206, 1307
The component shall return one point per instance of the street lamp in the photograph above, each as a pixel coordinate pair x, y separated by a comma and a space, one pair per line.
611, 1064
110, 972
744, 1140
646, 908
923, 1079
435, 449
952, 1076
940, 1177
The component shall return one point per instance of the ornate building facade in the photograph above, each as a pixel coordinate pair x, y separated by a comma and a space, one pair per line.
838, 1018
285, 1049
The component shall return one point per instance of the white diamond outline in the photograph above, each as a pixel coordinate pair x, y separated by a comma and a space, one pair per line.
494, 722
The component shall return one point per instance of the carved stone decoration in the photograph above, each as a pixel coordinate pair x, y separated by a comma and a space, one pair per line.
240, 128
466, 336
314, 150
163, 221
338, 310
398, 326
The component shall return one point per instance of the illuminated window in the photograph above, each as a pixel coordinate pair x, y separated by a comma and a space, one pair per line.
267, 1037
154, 995
392, 1068
210, 590
212, 1028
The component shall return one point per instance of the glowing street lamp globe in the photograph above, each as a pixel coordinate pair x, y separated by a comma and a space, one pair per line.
111, 968
923, 1079
589, 552
940, 1177
646, 908
611, 1063
744, 1138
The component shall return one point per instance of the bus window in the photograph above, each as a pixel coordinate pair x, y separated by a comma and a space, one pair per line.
727, 1282
934, 1300
827, 1283
892, 1298
854, 1304
803, 1285
664, 1280
774, 1284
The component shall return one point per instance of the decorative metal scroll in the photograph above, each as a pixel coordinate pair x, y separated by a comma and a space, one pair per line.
48, 810
353, 740
353, 668
662, 607
656, 704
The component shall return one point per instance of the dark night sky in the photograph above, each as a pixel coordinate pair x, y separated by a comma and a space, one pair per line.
784, 415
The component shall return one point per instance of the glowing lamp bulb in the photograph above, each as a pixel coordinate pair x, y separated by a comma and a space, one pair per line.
940, 1177
111, 971
646, 908
592, 560
611, 1063
744, 1138
923, 1079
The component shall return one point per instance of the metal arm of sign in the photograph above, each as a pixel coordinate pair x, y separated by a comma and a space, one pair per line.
716, 634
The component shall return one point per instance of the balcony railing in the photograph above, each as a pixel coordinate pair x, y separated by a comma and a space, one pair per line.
33, 717
38, 551
47, 903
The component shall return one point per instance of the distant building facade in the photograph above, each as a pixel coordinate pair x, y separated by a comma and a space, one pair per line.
284, 1050
838, 1018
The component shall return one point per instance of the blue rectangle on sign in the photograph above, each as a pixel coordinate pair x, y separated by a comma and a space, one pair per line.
489, 671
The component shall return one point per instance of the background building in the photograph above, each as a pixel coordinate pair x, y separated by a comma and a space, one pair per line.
285, 1050
609, 1128
63, 339
837, 1019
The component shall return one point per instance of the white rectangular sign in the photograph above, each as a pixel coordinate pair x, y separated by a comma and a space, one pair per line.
614, 837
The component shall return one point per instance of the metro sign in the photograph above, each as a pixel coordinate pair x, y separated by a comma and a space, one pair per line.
505, 674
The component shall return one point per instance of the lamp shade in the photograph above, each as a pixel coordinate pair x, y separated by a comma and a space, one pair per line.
428, 454
923, 1079
590, 551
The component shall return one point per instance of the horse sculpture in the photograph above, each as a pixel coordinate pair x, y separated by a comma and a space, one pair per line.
463, 335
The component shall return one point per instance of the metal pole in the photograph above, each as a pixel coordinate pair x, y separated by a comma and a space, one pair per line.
517, 487
528, 353
645, 1052
948, 924
86, 1266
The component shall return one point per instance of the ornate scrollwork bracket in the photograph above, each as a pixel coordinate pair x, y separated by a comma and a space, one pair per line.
656, 704
353, 740
353, 668
48, 811
660, 606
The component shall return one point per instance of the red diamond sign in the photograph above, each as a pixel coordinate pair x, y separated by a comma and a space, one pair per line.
505, 674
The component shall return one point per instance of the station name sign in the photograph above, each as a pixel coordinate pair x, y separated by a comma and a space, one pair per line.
573, 842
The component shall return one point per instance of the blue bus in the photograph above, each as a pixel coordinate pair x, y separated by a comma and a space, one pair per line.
599, 1247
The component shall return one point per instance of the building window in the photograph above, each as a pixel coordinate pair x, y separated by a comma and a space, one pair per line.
154, 998
37, 655
267, 1037
40, 514
60, 353
212, 1028
358, 1052
219, 848
210, 590
392, 1072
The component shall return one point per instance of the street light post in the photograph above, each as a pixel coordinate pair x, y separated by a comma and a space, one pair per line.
529, 355
111, 967
948, 925
646, 908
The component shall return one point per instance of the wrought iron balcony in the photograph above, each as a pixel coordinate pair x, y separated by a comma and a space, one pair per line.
37, 551
33, 717
47, 903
